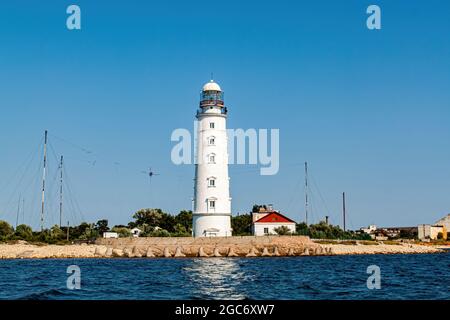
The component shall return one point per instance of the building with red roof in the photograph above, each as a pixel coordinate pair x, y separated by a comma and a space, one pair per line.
265, 221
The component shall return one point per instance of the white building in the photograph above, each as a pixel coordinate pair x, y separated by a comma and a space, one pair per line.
136, 232
371, 229
212, 202
108, 235
266, 222
428, 231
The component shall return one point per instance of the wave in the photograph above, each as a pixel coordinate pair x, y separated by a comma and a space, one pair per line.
49, 294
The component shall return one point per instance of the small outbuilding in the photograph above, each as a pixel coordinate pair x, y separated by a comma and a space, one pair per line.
265, 223
108, 235
136, 232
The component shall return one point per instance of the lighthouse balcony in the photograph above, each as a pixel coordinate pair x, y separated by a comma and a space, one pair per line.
220, 110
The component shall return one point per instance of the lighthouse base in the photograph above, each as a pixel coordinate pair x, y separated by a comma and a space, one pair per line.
211, 225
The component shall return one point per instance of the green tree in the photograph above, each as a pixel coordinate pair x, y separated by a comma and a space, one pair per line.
5, 229
167, 222
256, 207
122, 231
24, 232
185, 219
282, 230
102, 226
302, 229
56, 233
152, 217
77, 231
241, 224
160, 233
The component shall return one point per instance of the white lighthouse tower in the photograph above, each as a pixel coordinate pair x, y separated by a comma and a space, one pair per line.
212, 202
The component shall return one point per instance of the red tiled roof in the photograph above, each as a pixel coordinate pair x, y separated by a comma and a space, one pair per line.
274, 217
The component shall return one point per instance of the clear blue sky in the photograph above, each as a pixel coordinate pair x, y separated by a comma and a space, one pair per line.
368, 110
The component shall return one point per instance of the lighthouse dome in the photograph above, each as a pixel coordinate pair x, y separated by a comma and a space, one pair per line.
211, 86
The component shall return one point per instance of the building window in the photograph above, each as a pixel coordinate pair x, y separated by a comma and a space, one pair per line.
211, 125
211, 141
212, 204
266, 230
212, 158
211, 182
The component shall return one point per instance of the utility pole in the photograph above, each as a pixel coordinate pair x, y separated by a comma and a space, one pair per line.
306, 193
43, 181
61, 192
343, 207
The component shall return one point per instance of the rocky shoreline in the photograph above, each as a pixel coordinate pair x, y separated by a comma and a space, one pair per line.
204, 247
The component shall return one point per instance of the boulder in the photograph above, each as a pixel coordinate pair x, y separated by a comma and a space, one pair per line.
167, 253
136, 252
127, 252
179, 253
231, 253
117, 253
216, 252
252, 253
109, 252
265, 252
291, 252
201, 252
276, 253
149, 253
100, 251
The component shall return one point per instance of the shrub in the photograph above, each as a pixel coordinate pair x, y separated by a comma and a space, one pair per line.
282, 231
5, 229
24, 232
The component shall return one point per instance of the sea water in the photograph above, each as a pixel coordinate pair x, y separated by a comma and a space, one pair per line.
419, 276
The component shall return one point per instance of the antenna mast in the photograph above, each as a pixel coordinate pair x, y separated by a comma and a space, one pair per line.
18, 212
306, 193
43, 181
61, 192
343, 207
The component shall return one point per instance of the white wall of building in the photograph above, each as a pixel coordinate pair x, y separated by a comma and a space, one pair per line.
426, 231
265, 228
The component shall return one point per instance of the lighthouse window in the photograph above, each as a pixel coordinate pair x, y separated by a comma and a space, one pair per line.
211, 141
212, 158
212, 182
211, 125
212, 204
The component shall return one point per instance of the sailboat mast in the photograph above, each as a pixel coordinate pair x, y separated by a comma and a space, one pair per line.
43, 181
61, 192
306, 193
